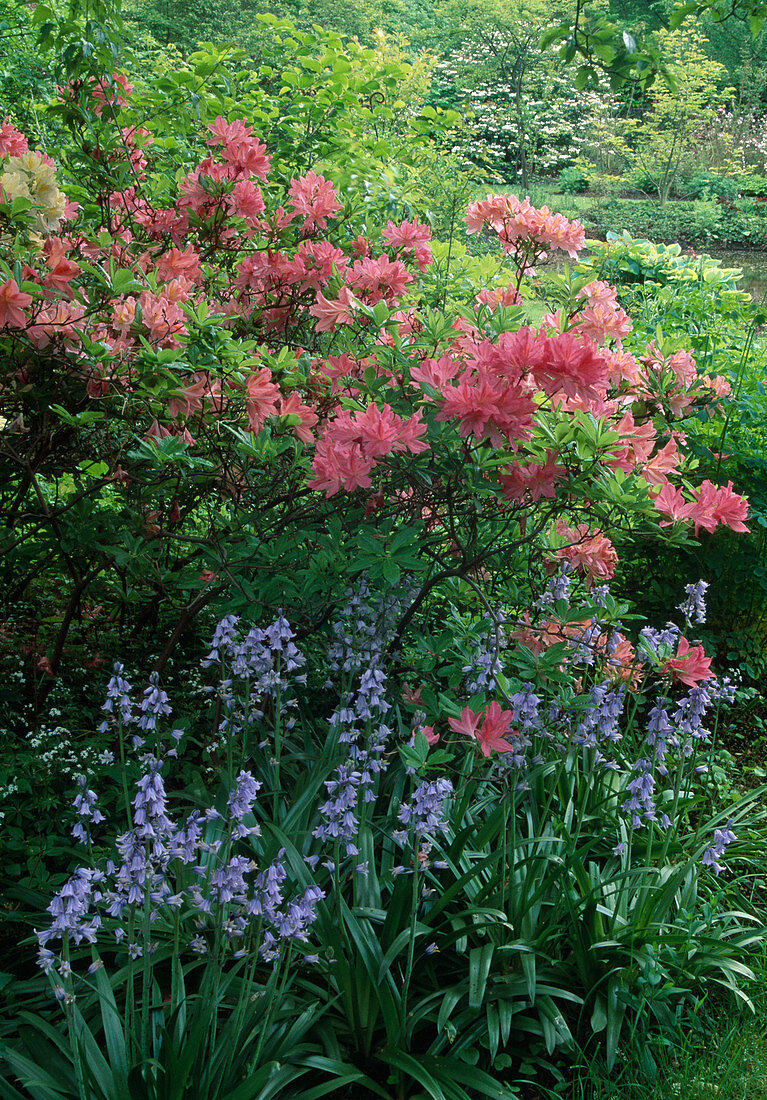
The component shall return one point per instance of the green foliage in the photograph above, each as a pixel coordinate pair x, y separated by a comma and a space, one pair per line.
25, 80
574, 180
752, 185
623, 260
705, 185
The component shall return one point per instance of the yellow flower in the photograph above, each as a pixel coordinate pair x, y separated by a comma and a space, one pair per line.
29, 177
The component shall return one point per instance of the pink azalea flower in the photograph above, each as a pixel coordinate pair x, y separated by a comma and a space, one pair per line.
314, 199
664, 462
331, 314
193, 396
589, 552
671, 503
174, 262
108, 92
13, 302
489, 408
12, 142
428, 731
380, 278
572, 365
730, 508
502, 296
467, 723
411, 237
489, 735
690, 666
533, 480
292, 406
340, 466
246, 201
262, 397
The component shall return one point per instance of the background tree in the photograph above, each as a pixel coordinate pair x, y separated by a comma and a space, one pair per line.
678, 116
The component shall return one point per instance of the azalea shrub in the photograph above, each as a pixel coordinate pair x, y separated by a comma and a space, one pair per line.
238, 341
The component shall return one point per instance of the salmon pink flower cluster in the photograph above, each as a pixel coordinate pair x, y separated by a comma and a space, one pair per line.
523, 229
489, 728
351, 444
12, 143
710, 507
589, 552
690, 666
603, 319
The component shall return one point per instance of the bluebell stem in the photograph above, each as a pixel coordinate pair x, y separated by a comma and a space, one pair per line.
480, 674
370, 694
600, 720
228, 883
242, 798
154, 705
557, 588
292, 924
150, 820
118, 701
689, 715
651, 642
365, 627
223, 640
353, 780
267, 890
70, 908
598, 595
267, 661
339, 819
265, 656
584, 644
524, 706
660, 732
184, 843
46, 959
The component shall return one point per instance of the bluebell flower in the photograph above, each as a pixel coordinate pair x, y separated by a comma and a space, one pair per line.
712, 854
641, 804
694, 606
154, 704
118, 700
600, 719
425, 813
85, 806
557, 588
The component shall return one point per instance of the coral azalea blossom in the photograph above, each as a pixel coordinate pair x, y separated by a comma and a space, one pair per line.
490, 734
690, 666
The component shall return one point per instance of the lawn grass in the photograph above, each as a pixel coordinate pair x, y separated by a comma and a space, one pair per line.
728, 1063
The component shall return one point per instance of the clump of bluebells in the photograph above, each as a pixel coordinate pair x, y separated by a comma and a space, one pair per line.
211, 888
199, 885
